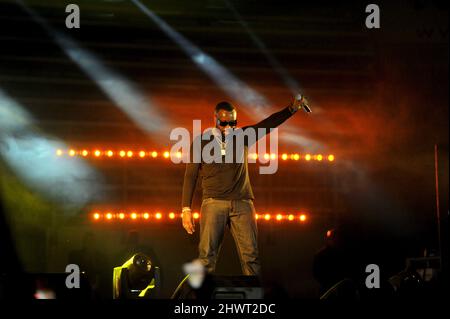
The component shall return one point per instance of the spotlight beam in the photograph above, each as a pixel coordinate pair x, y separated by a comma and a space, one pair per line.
31, 155
290, 82
227, 81
125, 95
253, 103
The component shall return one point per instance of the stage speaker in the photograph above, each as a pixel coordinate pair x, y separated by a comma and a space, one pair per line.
221, 287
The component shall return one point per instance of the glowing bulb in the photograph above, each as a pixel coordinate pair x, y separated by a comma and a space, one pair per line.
196, 215
59, 152
256, 216
308, 157
279, 217
146, 215
133, 216
121, 215
255, 156
158, 215
273, 156
141, 154
291, 217
331, 157
284, 157
166, 154
171, 215
267, 217
72, 152
109, 216
319, 157
130, 154
96, 216
97, 153
109, 153
296, 157
122, 153
178, 155
154, 154
266, 156
302, 217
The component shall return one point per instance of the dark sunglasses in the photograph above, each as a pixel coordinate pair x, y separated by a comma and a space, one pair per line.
225, 123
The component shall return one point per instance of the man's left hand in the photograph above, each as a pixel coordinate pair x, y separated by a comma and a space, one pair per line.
297, 103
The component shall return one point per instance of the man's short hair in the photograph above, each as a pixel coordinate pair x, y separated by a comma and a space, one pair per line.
227, 106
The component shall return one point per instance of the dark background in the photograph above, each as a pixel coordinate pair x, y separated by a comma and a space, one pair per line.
380, 105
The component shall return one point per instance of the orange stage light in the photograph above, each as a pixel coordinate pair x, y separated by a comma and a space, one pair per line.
167, 154
134, 215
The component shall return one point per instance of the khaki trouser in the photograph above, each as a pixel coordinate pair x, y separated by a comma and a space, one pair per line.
239, 216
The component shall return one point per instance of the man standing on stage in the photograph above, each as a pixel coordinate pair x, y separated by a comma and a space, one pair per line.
227, 194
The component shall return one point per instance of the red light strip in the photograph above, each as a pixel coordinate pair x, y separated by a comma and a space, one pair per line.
142, 154
110, 216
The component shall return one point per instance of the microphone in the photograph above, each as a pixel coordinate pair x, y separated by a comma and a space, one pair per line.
304, 102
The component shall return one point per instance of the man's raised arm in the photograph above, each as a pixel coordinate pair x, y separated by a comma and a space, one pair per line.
279, 117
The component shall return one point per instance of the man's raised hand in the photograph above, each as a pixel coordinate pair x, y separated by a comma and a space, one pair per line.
298, 102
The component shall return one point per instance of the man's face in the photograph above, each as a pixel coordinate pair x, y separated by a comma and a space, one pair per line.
225, 119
